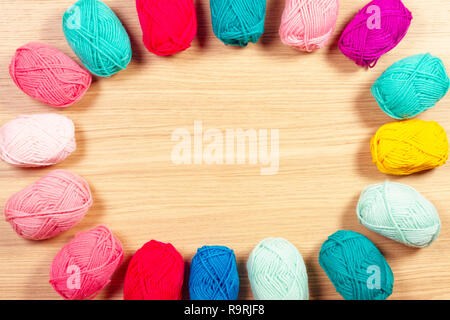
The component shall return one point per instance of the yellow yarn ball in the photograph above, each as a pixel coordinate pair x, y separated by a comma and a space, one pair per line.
406, 147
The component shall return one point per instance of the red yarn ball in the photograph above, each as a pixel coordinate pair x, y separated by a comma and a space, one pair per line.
168, 26
155, 272
84, 266
48, 75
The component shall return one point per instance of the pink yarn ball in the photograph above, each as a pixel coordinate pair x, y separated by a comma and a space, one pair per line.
48, 75
84, 266
49, 206
37, 140
364, 42
307, 25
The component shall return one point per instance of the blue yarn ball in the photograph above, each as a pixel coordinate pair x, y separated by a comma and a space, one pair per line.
411, 86
356, 267
214, 274
238, 22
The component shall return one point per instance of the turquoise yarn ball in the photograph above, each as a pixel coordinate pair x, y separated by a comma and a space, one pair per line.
238, 22
214, 274
356, 268
399, 212
276, 271
411, 86
97, 37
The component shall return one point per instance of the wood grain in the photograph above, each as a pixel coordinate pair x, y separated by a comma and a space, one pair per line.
320, 103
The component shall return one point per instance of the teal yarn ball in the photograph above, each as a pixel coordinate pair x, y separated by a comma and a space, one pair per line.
276, 271
238, 22
356, 268
399, 212
411, 86
214, 274
97, 37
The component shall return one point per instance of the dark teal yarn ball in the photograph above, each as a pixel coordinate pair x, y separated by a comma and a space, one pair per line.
97, 37
214, 274
356, 267
238, 22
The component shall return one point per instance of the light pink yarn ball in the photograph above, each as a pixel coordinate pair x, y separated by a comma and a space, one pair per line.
307, 25
84, 266
49, 206
37, 140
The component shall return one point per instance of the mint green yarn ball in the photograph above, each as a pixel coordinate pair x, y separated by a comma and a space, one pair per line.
97, 37
411, 86
276, 271
399, 212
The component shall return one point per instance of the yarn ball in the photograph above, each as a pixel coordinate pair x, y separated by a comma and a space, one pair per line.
168, 26
84, 266
364, 40
37, 140
97, 37
214, 274
356, 267
49, 206
156, 272
277, 272
238, 22
409, 146
399, 212
308, 25
48, 75
411, 86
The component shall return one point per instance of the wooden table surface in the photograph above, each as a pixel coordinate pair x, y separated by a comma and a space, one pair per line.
320, 103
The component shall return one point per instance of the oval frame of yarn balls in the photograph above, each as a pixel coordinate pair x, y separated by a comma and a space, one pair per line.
94, 256
168, 26
49, 206
214, 274
155, 272
102, 54
377, 40
399, 212
238, 22
308, 26
393, 152
48, 75
37, 140
411, 86
356, 267
276, 271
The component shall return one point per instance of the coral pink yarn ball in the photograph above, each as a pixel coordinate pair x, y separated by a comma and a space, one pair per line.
375, 30
48, 75
155, 272
307, 25
37, 140
84, 266
168, 26
49, 206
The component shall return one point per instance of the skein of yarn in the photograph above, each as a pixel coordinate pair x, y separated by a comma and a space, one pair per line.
84, 266
168, 26
49, 206
409, 146
276, 271
155, 272
48, 75
308, 25
376, 29
214, 274
399, 212
411, 86
97, 37
356, 267
37, 140
238, 22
